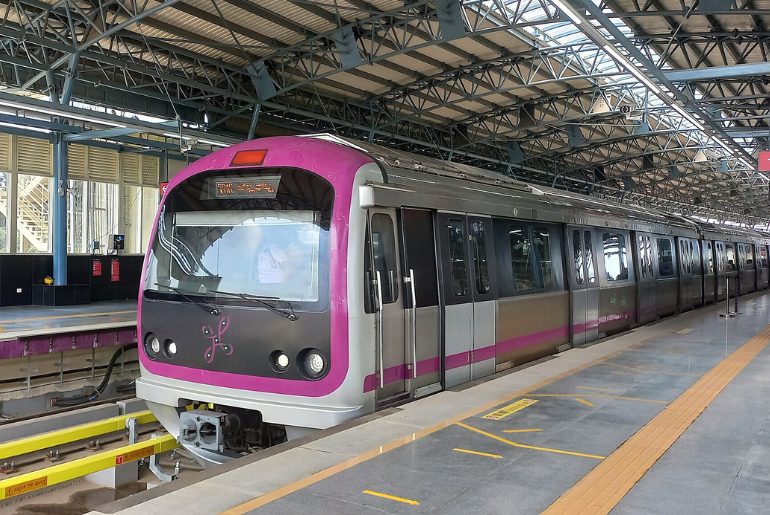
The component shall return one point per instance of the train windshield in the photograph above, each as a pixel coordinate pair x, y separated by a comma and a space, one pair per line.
219, 245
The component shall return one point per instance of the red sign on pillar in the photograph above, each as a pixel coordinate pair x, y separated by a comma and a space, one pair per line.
96, 268
163, 187
115, 270
763, 161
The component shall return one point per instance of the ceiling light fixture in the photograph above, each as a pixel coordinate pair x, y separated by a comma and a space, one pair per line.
577, 20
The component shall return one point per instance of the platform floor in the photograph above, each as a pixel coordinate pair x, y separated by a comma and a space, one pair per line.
669, 418
20, 321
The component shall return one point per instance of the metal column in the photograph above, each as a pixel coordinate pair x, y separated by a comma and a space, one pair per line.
60, 173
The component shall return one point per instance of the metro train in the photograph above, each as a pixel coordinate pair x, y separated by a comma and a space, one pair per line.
296, 282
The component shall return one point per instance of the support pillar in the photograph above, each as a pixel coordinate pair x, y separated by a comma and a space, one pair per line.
60, 174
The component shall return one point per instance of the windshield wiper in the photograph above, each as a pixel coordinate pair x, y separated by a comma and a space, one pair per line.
208, 308
261, 299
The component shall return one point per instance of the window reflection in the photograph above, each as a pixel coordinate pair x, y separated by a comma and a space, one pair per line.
615, 256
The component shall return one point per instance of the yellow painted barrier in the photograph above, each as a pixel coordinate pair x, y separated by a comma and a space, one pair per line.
41, 441
31, 481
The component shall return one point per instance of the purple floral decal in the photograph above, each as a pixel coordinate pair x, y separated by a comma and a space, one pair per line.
215, 337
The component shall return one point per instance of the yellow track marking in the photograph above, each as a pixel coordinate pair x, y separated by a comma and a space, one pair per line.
78, 315
595, 389
651, 369
478, 453
685, 331
522, 430
611, 480
507, 411
391, 497
583, 401
600, 395
312, 479
530, 447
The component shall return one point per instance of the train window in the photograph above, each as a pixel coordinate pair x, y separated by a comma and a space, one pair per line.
650, 270
748, 257
763, 256
541, 241
368, 289
642, 257
710, 259
730, 257
577, 249
720, 267
384, 256
459, 267
684, 249
695, 253
615, 256
524, 277
590, 265
480, 262
665, 258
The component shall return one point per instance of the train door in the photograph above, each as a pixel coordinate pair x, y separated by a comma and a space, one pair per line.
646, 279
584, 285
667, 282
457, 298
466, 256
423, 320
697, 272
385, 277
709, 272
481, 248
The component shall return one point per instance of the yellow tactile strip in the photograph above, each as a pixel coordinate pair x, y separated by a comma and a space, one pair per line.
602, 488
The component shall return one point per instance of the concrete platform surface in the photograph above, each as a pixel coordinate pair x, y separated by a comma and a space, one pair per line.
21, 321
517, 442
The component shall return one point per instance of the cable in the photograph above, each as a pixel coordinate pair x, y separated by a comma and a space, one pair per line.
72, 401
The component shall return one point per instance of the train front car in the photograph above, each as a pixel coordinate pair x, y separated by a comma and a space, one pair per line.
244, 312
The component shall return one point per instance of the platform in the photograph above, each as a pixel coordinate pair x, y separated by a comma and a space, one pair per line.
29, 330
668, 418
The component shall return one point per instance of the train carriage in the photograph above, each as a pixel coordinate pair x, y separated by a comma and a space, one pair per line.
294, 283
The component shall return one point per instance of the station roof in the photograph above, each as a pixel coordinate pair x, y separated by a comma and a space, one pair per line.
656, 102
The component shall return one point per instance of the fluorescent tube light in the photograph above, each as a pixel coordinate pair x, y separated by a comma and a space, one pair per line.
568, 11
58, 112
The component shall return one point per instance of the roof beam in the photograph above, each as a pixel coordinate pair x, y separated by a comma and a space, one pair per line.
719, 72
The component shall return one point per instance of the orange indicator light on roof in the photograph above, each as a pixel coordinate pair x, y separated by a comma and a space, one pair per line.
249, 157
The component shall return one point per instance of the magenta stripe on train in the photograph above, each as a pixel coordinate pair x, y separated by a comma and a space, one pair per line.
429, 366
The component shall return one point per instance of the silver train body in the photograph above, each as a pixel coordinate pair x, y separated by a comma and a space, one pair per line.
416, 276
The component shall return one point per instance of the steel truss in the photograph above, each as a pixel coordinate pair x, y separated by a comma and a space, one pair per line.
578, 139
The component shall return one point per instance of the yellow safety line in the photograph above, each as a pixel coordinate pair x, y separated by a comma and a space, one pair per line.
521, 430
530, 447
583, 401
478, 453
62, 472
312, 479
391, 497
611, 480
685, 331
77, 315
41, 441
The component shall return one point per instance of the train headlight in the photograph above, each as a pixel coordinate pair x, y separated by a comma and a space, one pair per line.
152, 345
314, 363
170, 348
279, 361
